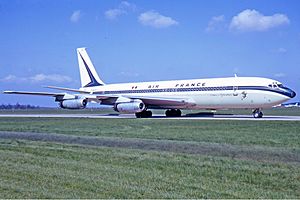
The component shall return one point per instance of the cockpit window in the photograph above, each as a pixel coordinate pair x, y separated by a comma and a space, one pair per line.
275, 85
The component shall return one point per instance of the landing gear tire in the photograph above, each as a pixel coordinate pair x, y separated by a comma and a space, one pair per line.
178, 113
138, 115
173, 113
257, 113
144, 114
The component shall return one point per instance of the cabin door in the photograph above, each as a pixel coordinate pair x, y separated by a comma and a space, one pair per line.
235, 90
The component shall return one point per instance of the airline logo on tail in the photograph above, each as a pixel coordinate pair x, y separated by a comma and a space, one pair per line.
93, 80
88, 74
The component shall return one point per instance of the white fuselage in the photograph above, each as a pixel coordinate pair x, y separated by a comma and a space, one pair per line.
213, 93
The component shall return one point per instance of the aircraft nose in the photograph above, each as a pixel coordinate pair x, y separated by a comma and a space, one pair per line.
292, 94
288, 92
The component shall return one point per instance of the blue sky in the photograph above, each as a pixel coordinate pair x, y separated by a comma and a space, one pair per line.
145, 40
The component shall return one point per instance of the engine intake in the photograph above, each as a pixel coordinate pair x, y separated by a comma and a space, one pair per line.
130, 107
73, 103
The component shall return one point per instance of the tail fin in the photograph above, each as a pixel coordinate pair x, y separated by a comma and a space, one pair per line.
88, 74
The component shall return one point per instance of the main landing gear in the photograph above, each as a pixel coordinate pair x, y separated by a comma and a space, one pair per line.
169, 113
144, 114
173, 113
257, 113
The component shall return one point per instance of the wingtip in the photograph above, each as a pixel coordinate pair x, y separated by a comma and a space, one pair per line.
7, 92
47, 86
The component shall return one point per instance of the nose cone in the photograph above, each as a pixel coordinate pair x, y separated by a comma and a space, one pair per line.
287, 92
292, 94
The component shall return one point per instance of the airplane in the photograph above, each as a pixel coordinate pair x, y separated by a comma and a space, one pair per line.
138, 98
289, 105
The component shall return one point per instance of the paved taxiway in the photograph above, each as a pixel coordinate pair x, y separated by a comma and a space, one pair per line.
157, 116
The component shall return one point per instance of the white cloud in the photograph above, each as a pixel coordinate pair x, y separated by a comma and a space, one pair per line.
37, 78
156, 20
127, 6
129, 74
123, 8
113, 13
215, 23
252, 20
280, 75
51, 77
8, 78
76, 15
281, 50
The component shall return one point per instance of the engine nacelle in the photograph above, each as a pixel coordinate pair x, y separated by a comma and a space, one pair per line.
130, 107
73, 103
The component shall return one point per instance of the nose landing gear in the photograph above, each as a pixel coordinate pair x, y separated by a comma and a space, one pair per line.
257, 113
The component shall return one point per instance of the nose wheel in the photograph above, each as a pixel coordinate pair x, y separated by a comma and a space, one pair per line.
257, 113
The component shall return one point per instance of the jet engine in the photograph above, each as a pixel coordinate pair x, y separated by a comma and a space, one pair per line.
130, 107
73, 103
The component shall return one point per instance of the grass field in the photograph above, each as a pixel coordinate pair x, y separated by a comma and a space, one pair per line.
187, 159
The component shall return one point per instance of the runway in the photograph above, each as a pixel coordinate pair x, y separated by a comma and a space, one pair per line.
159, 117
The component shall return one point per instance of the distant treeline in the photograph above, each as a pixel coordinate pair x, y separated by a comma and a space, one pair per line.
18, 106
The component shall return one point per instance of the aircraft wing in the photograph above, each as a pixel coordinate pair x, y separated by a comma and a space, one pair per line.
66, 89
58, 96
148, 100
154, 102
35, 93
158, 102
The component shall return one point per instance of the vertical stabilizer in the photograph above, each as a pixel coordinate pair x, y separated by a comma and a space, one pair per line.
88, 74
